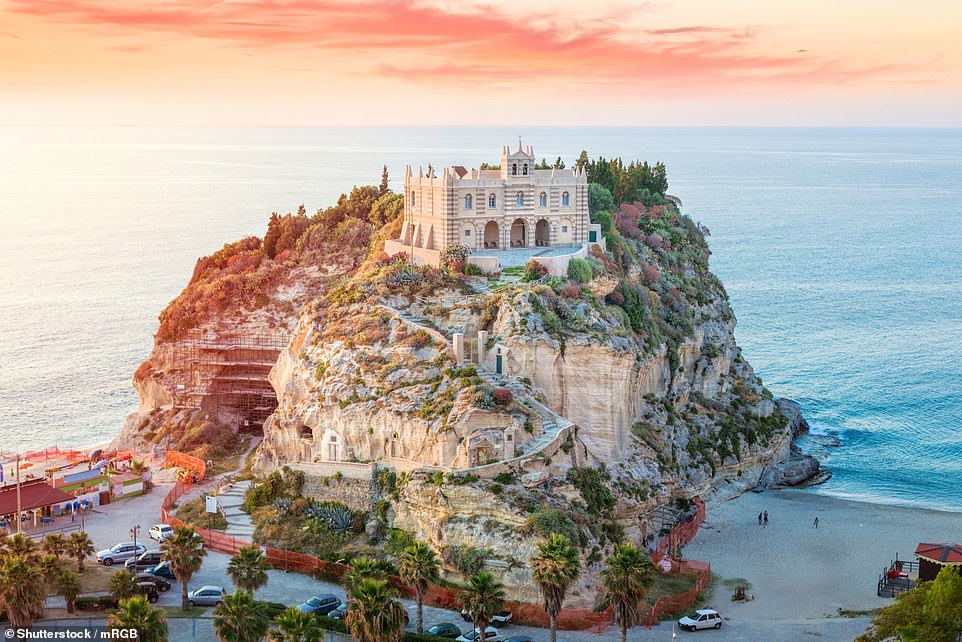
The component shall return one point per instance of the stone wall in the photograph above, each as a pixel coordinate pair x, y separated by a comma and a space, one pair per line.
356, 494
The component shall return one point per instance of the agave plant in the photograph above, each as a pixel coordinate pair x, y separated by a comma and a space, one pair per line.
336, 518
282, 504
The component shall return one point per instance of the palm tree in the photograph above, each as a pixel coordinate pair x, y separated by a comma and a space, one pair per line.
241, 618
293, 625
628, 574
137, 613
483, 599
419, 567
80, 547
137, 467
20, 544
55, 543
248, 569
69, 586
185, 551
122, 585
555, 568
363, 568
374, 614
22, 593
50, 566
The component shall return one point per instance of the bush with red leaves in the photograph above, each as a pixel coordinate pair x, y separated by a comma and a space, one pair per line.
654, 242
616, 298
502, 396
570, 290
651, 274
534, 271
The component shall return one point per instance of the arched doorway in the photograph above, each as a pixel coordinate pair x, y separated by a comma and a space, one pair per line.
517, 233
491, 233
541, 234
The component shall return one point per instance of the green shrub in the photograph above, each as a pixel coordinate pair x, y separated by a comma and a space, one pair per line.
468, 559
472, 269
579, 270
551, 520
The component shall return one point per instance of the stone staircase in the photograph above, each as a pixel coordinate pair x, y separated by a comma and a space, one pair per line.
552, 424
238, 522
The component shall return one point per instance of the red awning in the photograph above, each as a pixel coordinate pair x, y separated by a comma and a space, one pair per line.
33, 494
943, 553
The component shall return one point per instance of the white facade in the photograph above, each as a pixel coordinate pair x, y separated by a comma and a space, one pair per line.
515, 206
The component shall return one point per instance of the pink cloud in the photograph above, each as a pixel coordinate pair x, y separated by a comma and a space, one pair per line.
488, 47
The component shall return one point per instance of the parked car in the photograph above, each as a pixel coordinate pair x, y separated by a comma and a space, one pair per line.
701, 619
119, 553
163, 570
340, 611
148, 589
499, 619
162, 584
320, 604
160, 532
144, 561
491, 634
206, 596
445, 630
520, 638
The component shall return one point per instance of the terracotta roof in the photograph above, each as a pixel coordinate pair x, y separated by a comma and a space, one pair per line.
942, 553
33, 494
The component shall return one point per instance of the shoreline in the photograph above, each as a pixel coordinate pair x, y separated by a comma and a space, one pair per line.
798, 571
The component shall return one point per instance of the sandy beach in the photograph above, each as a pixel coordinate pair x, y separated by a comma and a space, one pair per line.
798, 572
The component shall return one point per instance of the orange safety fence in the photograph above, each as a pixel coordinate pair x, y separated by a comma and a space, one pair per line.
174, 458
448, 598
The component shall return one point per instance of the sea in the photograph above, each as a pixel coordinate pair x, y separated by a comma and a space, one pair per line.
841, 251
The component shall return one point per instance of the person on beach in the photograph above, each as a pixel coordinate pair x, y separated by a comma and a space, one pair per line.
759, 519
816, 521
765, 514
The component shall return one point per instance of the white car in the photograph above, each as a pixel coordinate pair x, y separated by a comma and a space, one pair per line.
160, 532
207, 596
701, 619
491, 634
120, 553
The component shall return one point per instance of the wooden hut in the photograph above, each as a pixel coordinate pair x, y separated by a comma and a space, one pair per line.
934, 557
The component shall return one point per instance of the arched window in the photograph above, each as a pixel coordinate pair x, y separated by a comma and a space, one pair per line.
467, 201
543, 200
520, 199
565, 201
412, 198
524, 169
514, 169
492, 201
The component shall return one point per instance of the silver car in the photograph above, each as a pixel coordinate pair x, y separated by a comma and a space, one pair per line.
119, 553
206, 596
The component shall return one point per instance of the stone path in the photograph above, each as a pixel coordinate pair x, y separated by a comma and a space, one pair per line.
551, 422
238, 522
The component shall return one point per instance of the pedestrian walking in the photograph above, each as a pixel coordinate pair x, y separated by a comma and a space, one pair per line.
765, 514
816, 521
759, 519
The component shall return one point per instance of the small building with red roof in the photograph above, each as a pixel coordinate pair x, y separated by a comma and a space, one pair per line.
934, 557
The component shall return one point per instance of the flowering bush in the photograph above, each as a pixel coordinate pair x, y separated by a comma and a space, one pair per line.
654, 242
534, 271
502, 396
455, 256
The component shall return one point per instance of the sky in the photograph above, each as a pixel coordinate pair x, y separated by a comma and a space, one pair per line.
494, 62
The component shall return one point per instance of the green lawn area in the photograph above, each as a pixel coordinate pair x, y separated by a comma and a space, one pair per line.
195, 513
95, 577
176, 611
669, 585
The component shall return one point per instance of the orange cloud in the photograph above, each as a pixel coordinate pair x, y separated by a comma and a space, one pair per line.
429, 45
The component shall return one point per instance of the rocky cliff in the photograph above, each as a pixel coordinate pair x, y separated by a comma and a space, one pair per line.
595, 405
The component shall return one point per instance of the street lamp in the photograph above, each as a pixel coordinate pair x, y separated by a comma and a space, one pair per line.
133, 533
